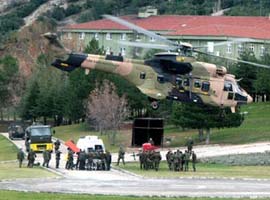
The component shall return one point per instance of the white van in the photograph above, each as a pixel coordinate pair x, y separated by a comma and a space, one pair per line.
90, 143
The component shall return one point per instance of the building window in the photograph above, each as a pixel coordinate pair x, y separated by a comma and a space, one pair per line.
210, 47
240, 49
251, 47
81, 36
108, 50
123, 51
138, 37
262, 51
152, 39
96, 36
69, 36
108, 36
229, 48
123, 36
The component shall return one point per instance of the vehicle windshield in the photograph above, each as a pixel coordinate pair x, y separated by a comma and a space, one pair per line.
41, 131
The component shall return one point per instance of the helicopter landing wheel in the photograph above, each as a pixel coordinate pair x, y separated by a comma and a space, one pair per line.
154, 105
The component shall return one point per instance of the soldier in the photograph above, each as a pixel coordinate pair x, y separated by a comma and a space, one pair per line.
121, 155
156, 159
57, 145
57, 158
20, 157
194, 160
31, 158
69, 164
90, 158
108, 158
187, 156
189, 144
46, 158
82, 159
169, 158
78, 160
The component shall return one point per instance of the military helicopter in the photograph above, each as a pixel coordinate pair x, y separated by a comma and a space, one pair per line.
170, 75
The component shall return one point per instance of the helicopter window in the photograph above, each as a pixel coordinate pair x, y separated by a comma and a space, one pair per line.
178, 81
205, 86
230, 96
142, 75
228, 87
197, 84
186, 82
160, 78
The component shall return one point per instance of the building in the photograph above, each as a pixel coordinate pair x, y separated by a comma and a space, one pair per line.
198, 30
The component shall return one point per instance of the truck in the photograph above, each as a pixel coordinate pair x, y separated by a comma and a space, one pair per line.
38, 138
16, 131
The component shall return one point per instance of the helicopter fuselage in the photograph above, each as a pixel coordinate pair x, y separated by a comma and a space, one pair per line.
172, 77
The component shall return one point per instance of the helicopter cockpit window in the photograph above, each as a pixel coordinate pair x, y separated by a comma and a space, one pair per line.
186, 82
205, 86
197, 84
160, 78
178, 81
142, 75
228, 87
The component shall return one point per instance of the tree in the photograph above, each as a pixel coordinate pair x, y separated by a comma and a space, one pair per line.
8, 73
202, 117
93, 47
107, 109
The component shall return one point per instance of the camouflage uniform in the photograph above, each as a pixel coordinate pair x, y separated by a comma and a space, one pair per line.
20, 157
57, 145
156, 160
187, 156
46, 158
169, 158
69, 164
108, 158
31, 158
194, 160
57, 158
121, 155
189, 144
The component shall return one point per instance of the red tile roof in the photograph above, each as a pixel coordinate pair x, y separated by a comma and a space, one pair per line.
230, 26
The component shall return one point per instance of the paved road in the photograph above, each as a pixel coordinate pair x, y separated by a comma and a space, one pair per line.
119, 183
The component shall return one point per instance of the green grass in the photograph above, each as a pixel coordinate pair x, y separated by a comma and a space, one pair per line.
11, 170
8, 151
203, 170
10, 195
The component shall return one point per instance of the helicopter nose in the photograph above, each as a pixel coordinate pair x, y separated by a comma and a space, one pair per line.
249, 99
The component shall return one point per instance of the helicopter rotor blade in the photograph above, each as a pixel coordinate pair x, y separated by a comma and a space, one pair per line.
147, 45
140, 29
236, 60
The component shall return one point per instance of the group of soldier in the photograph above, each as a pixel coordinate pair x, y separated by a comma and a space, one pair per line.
93, 160
149, 159
179, 161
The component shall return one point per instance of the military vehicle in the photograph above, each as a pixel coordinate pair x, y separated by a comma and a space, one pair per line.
16, 131
38, 138
177, 76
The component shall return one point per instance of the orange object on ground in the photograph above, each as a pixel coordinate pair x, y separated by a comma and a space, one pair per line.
72, 146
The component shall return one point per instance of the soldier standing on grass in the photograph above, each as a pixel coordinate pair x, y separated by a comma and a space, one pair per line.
194, 160
121, 155
20, 157
187, 156
108, 158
